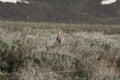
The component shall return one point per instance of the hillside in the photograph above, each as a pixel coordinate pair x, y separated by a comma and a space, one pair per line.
75, 11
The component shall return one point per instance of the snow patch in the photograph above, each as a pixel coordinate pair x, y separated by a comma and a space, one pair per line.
15, 1
106, 2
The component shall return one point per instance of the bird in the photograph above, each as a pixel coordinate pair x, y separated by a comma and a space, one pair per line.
107, 2
60, 38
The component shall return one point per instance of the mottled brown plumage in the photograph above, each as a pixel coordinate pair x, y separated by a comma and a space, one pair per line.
60, 38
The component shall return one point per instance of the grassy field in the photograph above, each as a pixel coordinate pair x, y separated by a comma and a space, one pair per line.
29, 51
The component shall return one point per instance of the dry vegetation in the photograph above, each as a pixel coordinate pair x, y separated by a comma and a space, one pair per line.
29, 51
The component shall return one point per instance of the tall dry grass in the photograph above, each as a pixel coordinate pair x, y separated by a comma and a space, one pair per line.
29, 51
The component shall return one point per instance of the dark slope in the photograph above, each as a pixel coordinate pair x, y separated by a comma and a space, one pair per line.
79, 11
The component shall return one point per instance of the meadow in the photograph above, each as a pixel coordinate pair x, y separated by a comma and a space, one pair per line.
29, 51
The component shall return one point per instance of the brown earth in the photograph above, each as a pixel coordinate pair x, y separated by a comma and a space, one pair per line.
73, 11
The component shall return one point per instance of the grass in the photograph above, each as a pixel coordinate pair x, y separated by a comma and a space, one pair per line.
29, 51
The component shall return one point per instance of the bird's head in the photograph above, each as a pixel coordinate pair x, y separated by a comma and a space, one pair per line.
59, 32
